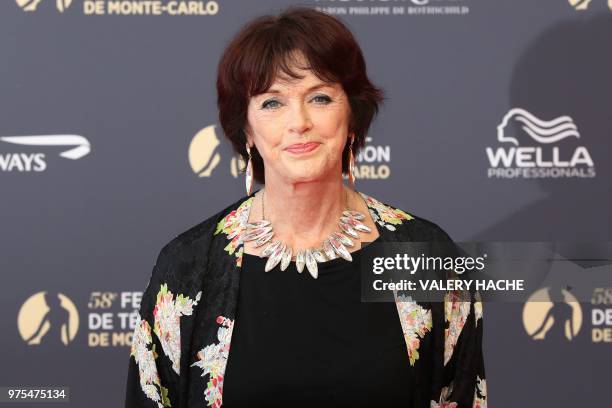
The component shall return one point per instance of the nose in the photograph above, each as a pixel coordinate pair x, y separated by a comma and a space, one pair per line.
299, 119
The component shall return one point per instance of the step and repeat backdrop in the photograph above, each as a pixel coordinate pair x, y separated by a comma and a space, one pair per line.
497, 124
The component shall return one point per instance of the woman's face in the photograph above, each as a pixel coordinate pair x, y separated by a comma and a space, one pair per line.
300, 128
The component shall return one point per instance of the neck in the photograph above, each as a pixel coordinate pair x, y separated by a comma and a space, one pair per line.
305, 211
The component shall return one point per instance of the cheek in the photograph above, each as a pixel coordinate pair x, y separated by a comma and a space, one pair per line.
266, 131
333, 120
333, 128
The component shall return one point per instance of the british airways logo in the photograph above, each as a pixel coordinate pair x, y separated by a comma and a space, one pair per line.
75, 146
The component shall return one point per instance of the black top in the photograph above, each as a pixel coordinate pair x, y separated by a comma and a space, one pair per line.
299, 341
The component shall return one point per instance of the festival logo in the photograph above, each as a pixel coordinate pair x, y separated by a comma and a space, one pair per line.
203, 152
108, 319
205, 156
580, 5
552, 314
132, 7
31, 5
237, 166
373, 162
36, 161
536, 148
48, 318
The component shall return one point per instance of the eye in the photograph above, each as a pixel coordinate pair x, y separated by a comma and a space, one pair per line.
270, 104
322, 99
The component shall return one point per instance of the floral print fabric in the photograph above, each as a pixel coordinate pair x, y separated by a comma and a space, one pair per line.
167, 313
233, 225
212, 359
145, 359
416, 321
455, 312
384, 215
443, 402
443, 340
480, 394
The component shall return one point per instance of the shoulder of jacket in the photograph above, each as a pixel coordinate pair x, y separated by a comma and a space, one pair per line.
199, 235
412, 227
182, 262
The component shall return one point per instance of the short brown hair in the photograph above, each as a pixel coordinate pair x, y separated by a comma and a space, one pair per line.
264, 47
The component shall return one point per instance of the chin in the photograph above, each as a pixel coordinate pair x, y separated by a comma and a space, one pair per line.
302, 174
303, 178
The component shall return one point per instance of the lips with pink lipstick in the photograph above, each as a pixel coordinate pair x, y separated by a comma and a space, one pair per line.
301, 148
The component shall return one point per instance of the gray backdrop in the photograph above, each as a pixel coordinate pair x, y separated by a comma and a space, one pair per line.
138, 88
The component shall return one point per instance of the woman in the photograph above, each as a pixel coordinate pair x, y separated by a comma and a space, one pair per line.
274, 274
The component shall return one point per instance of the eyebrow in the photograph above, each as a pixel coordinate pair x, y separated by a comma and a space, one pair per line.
312, 88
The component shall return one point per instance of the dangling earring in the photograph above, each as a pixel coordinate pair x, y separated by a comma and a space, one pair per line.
249, 173
351, 160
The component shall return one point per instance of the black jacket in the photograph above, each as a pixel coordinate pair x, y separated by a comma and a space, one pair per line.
181, 345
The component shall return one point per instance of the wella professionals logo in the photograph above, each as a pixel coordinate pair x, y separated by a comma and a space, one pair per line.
36, 161
31, 5
48, 318
581, 5
536, 148
552, 315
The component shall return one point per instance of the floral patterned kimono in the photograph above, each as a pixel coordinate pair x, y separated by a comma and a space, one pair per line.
183, 339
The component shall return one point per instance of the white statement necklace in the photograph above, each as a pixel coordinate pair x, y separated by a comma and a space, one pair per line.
333, 246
